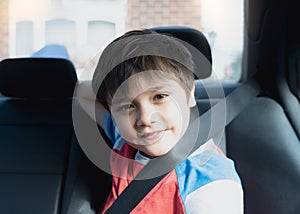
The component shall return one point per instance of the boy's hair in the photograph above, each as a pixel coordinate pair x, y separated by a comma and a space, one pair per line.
116, 64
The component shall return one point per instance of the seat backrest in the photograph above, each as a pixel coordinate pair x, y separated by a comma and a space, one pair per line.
195, 41
35, 133
86, 186
265, 149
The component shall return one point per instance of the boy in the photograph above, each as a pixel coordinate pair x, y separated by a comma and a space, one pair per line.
144, 83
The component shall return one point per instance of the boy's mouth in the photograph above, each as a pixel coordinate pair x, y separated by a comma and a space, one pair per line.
151, 137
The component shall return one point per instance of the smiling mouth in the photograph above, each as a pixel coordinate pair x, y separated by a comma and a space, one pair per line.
152, 137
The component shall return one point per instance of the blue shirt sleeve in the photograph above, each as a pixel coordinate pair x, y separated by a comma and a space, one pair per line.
110, 129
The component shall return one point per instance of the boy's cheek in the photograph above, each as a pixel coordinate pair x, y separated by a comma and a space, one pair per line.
126, 128
180, 120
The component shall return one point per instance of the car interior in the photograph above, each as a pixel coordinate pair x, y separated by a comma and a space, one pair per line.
43, 168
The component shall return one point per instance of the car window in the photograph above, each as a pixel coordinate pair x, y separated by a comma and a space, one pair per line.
85, 27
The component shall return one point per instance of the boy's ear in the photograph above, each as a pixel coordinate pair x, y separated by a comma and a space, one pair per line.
192, 100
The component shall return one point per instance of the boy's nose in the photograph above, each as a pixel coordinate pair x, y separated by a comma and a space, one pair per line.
146, 116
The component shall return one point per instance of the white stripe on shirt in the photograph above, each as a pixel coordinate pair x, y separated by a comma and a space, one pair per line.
218, 197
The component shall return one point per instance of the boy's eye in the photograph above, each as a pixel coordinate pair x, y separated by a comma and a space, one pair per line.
127, 107
160, 96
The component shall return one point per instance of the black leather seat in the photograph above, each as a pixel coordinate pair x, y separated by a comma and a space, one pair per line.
265, 149
35, 133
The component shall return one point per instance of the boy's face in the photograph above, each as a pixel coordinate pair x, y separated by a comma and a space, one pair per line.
152, 112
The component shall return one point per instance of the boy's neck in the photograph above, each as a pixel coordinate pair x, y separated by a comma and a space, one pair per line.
146, 155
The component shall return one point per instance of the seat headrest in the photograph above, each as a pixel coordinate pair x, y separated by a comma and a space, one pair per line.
203, 65
37, 78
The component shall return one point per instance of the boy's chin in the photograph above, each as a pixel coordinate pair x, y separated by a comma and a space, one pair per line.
154, 152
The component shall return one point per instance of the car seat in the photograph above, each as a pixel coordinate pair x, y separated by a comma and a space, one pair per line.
35, 133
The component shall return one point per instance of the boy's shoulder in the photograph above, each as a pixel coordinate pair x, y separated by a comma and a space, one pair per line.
205, 166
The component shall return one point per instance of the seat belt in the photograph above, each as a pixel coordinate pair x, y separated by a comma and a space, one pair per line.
235, 102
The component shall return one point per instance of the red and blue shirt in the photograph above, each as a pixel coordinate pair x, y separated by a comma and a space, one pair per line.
205, 182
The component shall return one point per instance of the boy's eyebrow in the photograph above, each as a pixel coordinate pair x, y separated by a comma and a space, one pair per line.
157, 88
119, 100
